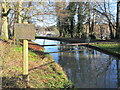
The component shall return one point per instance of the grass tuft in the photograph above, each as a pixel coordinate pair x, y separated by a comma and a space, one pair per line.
18, 48
115, 48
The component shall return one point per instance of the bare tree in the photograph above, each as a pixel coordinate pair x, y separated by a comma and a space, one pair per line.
104, 9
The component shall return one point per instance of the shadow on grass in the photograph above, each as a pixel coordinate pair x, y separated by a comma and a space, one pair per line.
41, 66
18, 81
11, 82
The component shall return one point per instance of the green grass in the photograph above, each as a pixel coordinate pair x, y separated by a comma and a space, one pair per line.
110, 47
32, 53
17, 68
47, 55
18, 48
48, 75
31, 58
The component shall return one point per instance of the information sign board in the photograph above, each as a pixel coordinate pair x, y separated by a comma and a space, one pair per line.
24, 31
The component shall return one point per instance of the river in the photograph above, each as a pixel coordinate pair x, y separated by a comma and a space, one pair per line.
85, 67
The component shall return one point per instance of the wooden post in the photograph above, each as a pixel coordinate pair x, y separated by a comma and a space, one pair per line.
25, 57
25, 61
25, 32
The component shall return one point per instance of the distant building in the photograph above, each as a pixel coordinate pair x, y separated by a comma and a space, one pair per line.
100, 30
42, 31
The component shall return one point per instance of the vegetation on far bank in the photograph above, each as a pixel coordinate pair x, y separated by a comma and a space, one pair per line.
115, 48
43, 72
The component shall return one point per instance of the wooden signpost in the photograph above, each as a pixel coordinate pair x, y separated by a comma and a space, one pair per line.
25, 32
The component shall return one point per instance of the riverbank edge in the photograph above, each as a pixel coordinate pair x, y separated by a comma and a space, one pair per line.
54, 68
76, 40
103, 50
90, 45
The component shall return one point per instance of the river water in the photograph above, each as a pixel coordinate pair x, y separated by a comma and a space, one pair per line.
85, 67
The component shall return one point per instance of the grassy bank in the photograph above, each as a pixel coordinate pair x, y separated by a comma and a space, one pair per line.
43, 72
115, 48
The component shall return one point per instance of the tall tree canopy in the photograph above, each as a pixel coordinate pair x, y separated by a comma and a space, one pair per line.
73, 19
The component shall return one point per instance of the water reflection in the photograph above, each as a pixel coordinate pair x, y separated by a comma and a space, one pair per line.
90, 68
87, 68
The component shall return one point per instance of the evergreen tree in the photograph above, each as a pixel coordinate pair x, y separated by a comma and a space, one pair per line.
72, 11
80, 19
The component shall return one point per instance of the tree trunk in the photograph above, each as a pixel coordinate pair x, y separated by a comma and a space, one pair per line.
19, 12
101, 32
71, 28
5, 23
111, 32
80, 19
118, 20
0, 12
